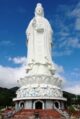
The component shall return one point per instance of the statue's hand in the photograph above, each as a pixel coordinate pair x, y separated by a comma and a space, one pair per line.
39, 28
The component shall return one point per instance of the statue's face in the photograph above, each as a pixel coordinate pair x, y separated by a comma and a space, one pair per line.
39, 11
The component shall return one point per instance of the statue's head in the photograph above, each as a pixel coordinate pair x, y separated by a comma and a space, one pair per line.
39, 10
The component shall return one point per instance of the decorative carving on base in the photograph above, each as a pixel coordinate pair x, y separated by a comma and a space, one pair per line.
37, 90
39, 79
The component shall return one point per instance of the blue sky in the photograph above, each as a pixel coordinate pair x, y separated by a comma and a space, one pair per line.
64, 17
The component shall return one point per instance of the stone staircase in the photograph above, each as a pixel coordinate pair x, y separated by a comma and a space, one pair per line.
37, 114
63, 113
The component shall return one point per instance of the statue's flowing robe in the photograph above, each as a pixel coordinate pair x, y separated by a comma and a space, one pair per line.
39, 36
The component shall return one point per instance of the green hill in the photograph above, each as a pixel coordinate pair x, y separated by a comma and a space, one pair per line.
71, 98
6, 96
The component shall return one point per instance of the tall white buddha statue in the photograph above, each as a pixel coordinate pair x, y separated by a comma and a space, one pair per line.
40, 88
39, 40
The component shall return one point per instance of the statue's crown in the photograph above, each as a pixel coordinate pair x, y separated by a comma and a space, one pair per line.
39, 5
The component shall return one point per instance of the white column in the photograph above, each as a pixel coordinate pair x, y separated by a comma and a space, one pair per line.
16, 106
28, 104
49, 104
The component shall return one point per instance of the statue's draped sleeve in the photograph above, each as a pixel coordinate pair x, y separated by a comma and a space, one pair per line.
48, 35
50, 31
30, 42
29, 30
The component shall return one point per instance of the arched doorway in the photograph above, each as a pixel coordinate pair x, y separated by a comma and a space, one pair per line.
21, 104
57, 104
38, 104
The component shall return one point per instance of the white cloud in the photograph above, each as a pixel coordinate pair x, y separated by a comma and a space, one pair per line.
6, 43
75, 89
18, 60
64, 33
76, 13
59, 72
75, 43
66, 47
70, 42
66, 22
73, 81
63, 52
59, 68
9, 75
77, 24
